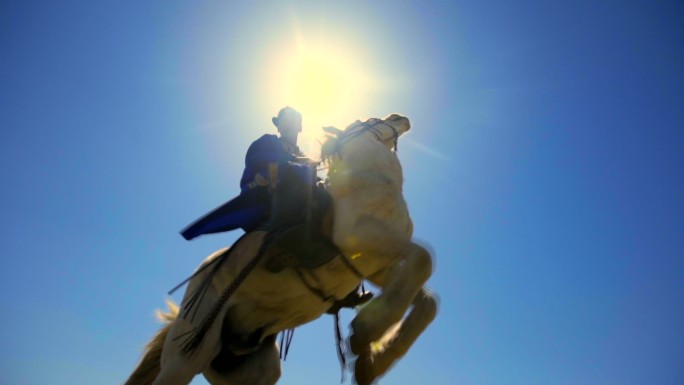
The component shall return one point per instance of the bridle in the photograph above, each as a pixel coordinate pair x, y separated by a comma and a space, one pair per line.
368, 126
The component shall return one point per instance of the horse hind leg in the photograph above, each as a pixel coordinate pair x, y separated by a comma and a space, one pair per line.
178, 374
178, 367
149, 366
259, 368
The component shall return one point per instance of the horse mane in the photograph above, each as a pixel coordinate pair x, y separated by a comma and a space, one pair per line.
329, 145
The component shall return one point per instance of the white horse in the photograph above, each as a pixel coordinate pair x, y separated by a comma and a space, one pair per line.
372, 229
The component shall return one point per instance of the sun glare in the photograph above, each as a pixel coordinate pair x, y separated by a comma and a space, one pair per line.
326, 83
319, 84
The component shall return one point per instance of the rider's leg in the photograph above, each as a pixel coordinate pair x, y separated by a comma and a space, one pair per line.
298, 235
289, 200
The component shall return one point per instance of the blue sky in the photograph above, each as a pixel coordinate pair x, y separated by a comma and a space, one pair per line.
544, 168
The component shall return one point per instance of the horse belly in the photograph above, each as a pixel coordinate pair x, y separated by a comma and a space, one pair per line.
275, 302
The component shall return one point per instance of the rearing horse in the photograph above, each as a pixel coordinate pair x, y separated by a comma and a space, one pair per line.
372, 229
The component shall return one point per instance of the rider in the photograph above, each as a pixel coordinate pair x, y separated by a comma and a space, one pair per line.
269, 160
268, 153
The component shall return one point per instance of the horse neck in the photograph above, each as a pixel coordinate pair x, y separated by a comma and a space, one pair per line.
368, 159
366, 186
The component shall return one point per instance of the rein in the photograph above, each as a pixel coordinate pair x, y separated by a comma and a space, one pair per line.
365, 127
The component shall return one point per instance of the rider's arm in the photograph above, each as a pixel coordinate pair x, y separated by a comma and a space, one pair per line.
262, 161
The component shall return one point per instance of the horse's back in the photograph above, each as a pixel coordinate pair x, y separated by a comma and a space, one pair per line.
264, 300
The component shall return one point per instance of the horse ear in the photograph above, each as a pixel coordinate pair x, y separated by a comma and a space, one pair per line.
332, 130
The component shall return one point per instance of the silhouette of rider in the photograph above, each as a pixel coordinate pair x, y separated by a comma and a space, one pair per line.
271, 161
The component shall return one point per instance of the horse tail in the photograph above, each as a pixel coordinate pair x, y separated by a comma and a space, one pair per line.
148, 368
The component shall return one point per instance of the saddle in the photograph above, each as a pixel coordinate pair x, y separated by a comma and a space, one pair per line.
301, 226
300, 233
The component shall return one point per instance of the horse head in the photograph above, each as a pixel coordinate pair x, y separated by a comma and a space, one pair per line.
387, 131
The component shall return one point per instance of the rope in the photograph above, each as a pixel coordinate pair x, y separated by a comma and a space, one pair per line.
195, 336
341, 345
220, 258
352, 300
285, 342
316, 291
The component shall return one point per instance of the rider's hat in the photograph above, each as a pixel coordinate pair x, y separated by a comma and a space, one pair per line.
287, 110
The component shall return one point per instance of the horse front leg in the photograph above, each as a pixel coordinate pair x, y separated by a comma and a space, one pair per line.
374, 362
400, 285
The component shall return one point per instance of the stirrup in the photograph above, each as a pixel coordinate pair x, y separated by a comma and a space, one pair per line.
352, 300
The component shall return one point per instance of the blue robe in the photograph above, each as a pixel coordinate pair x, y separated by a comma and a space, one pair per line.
252, 206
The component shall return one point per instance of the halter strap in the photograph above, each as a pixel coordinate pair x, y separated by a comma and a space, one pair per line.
365, 126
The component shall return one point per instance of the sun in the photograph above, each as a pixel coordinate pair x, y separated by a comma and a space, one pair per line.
320, 84
326, 82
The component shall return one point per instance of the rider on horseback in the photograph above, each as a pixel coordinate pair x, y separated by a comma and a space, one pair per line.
268, 153
278, 191
266, 164
270, 160
279, 194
